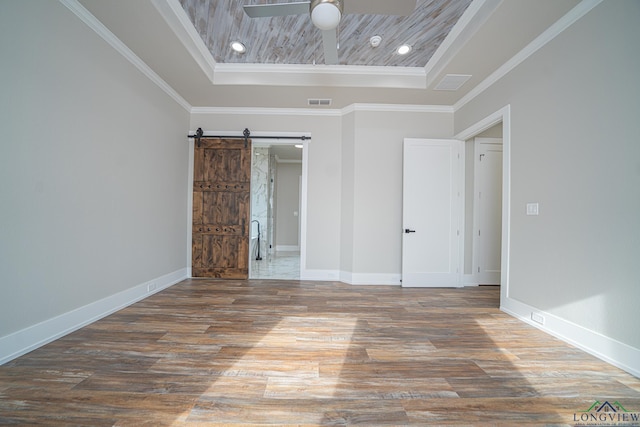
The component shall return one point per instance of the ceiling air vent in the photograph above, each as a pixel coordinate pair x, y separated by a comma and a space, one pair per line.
452, 82
319, 102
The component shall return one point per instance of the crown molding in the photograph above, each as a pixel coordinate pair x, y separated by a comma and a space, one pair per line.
179, 22
387, 108
266, 111
584, 7
320, 75
355, 70
98, 27
398, 108
324, 75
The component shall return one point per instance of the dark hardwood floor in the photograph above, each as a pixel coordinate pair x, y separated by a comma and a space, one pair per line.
210, 352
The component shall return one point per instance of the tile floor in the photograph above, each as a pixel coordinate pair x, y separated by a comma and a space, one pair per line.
280, 265
286, 353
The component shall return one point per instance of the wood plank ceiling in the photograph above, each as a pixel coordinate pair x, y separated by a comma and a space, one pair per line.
295, 40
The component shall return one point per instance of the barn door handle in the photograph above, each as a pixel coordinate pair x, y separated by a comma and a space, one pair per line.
407, 231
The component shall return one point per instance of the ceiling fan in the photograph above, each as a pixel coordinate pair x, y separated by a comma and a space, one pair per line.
326, 15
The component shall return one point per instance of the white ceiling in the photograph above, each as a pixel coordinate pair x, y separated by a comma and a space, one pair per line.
160, 33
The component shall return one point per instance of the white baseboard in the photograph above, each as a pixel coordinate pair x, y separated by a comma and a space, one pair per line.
611, 351
28, 339
287, 248
320, 275
351, 278
470, 280
346, 277
370, 279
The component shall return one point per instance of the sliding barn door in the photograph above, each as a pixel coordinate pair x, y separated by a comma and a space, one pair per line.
221, 208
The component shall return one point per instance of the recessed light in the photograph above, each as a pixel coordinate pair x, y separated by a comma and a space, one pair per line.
238, 47
404, 49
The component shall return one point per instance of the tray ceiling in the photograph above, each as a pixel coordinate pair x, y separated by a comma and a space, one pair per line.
295, 40
491, 35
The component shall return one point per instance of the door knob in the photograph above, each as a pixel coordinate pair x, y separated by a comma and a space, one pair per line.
407, 231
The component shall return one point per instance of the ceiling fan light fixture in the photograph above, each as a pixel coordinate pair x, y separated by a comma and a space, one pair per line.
326, 14
238, 47
404, 49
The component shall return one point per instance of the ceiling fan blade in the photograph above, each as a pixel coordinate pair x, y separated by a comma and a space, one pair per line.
330, 45
380, 7
280, 9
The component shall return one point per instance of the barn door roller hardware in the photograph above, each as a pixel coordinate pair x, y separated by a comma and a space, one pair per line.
245, 135
198, 136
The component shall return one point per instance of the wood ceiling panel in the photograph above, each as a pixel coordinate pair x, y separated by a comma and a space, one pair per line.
294, 39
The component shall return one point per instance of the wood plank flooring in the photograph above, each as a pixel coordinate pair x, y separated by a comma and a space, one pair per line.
308, 353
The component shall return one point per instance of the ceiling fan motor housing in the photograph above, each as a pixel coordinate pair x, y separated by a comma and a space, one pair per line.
326, 14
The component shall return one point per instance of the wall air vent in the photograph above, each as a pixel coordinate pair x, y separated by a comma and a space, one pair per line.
319, 102
452, 82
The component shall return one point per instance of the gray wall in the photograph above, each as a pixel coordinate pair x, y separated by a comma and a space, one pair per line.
93, 169
347, 196
355, 182
288, 204
574, 149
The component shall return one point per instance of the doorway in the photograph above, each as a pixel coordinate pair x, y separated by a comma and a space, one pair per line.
487, 210
484, 207
501, 118
276, 210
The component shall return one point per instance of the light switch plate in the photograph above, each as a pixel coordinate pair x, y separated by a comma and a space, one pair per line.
532, 209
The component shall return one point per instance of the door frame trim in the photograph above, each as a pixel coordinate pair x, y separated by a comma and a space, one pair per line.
190, 172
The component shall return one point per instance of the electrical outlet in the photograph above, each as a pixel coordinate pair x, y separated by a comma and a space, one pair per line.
151, 287
538, 318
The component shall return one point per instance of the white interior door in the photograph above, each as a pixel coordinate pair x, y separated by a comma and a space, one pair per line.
431, 213
489, 209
